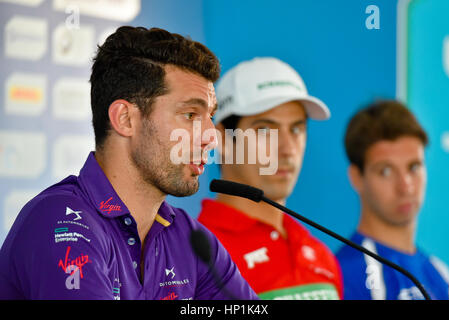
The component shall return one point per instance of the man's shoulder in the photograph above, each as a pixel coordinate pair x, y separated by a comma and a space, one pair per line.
54, 202
440, 266
346, 252
55, 207
307, 238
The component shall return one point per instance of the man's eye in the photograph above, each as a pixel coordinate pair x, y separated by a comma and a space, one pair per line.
385, 172
297, 130
189, 115
415, 167
264, 130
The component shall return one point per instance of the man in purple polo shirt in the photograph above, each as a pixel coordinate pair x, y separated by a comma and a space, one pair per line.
108, 233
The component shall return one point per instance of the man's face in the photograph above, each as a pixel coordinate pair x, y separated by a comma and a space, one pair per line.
289, 120
190, 98
392, 186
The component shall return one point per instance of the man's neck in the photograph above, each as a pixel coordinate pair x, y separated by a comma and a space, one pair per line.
257, 210
142, 200
401, 238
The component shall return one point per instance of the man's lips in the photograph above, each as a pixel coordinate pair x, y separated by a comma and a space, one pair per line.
405, 207
197, 166
284, 171
197, 169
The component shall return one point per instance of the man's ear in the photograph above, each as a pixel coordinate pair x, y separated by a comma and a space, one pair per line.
121, 114
355, 177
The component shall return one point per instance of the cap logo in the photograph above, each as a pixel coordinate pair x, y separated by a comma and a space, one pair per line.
225, 101
269, 84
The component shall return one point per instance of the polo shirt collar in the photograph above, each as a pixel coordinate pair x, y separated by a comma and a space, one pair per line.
165, 214
100, 190
225, 217
104, 197
221, 215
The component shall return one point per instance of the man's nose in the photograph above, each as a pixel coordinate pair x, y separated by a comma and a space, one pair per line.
286, 143
209, 138
405, 184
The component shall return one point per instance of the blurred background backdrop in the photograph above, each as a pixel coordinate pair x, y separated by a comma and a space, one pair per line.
348, 53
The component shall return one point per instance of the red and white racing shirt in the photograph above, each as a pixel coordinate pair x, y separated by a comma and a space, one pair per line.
299, 267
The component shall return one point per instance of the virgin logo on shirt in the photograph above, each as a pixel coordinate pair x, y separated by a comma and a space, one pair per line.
73, 265
106, 207
170, 296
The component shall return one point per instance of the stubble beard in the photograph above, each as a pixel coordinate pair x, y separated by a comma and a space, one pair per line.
389, 217
152, 161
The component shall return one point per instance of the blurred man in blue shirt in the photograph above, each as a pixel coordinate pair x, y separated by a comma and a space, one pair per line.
385, 146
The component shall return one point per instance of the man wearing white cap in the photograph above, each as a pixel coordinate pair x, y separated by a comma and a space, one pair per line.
275, 254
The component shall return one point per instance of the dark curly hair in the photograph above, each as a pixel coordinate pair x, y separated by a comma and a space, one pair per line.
130, 65
382, 120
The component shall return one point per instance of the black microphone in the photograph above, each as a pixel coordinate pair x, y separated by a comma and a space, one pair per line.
254, 194
201, 246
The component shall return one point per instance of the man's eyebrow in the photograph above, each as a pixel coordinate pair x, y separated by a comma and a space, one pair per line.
387, 162
195, 101
381, 163
299, 122
257, 121
202, 103
302, 121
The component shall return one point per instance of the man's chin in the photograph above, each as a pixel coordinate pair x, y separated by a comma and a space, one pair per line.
281, 188
278, 195
185, 189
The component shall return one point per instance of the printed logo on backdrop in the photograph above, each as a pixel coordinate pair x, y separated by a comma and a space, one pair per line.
25, 94
13, 203
30, 3
446, 54
106, 9
22, 154
73, 46
26, 38
71, 99
445, 141
69, 154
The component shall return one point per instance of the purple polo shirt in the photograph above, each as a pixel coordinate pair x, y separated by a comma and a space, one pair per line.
78, 240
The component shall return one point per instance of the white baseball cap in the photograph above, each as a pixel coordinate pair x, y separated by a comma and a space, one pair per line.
260, 84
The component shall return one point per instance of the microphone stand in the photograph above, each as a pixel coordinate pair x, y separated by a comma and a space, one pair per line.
350, 243
257, 195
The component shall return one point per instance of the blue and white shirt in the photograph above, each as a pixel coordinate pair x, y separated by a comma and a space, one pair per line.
365, 278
